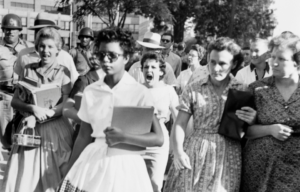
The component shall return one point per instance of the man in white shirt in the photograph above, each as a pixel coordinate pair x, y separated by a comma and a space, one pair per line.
151, 42
259, 67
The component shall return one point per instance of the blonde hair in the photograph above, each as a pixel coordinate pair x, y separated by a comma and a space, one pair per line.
48, 33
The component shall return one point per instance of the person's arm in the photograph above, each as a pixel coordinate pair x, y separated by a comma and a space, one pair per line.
69, 110
174, 103
181, 159
115, 135
83, 139
278, 131
39, 112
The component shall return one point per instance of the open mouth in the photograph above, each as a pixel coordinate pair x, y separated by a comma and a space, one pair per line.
149, 77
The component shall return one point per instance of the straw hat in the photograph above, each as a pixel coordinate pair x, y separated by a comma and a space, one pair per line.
151, 40
42, 20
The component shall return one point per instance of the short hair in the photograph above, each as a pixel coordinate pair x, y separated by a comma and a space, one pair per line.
48, 33
287, 42
158, 58
181, 46
228, 44
260, 40
168, 33
199, 49
116, 34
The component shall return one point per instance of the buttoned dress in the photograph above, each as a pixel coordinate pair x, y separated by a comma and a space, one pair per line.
38, 169
215, 160
271, 165
30, 55
94, 170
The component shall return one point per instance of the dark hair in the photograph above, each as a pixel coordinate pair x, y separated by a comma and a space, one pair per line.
181, 46
200, 50
115, 34
225, 43
291, 42
168, 33
158, 58
246, 48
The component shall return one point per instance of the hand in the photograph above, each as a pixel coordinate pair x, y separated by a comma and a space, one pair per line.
247, 114
50, 113
30, 121
40, 113
281, 132
114, 136
181, 161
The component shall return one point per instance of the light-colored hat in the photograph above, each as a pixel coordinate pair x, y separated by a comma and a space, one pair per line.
42, 20
151, 40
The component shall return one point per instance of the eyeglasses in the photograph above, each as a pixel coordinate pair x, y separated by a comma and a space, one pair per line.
165, 41
112, 56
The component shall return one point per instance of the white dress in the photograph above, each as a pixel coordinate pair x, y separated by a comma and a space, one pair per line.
94, 171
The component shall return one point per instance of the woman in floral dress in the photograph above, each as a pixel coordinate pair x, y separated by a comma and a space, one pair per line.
272, 155
207, 161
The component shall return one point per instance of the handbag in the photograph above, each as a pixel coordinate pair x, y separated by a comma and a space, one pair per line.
231, 126
26, 136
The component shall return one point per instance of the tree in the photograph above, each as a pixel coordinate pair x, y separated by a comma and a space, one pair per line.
181, 11
114, 12
239, 19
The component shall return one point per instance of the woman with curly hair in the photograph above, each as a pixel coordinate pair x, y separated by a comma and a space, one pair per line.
205, 160
271, 156
91, 169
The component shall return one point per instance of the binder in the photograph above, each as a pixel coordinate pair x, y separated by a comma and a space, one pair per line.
133, 120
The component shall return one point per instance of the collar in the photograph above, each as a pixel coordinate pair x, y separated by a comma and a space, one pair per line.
232, 81
20, 41
125, 80
267, 69
46, 72
87, 48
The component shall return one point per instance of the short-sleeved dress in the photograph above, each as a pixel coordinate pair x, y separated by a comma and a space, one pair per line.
271, 165
38, 169
94, 171
215, 159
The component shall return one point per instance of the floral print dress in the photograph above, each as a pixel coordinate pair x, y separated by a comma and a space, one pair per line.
215, 159
271, 165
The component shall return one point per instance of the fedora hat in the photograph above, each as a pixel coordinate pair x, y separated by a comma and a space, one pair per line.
43, 20
151, 40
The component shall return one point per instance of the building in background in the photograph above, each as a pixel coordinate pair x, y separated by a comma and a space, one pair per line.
28, 10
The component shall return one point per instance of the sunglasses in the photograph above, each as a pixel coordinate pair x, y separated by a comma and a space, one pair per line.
112, 56
165, 41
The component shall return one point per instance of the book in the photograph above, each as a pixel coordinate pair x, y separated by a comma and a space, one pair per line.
133, 120
46, 95
42, 95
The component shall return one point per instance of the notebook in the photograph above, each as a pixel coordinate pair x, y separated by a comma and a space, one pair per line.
134, 120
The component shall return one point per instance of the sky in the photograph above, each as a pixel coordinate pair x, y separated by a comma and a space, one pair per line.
287, 13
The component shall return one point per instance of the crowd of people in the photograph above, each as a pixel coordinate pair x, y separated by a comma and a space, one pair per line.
188, 98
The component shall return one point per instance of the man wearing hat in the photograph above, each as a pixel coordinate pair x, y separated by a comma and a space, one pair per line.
82, 54
30, 55
167, 40
12, 27
151, 42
